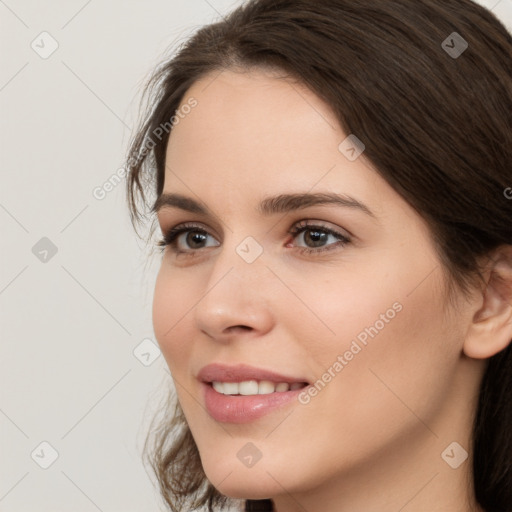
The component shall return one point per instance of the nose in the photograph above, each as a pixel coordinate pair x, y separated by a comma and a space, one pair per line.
235, 300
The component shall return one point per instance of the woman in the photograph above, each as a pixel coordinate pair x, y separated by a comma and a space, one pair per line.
332, 179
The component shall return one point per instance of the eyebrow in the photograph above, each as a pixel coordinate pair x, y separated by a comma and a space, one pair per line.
282, 203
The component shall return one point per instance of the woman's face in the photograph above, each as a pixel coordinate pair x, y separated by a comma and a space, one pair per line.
367, 318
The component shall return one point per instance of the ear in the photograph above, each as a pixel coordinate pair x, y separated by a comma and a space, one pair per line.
491, 328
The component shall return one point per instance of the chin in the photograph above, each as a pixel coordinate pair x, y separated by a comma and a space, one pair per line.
244, 483
247, 491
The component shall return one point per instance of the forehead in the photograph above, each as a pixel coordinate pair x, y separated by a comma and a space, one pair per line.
255, 122
255, 134
254, 107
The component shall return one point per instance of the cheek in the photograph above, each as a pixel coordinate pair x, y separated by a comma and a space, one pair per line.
342, 307
380, 332
173, 300
400, 302
395, 349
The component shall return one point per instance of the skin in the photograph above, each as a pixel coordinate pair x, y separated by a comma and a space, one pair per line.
372, 438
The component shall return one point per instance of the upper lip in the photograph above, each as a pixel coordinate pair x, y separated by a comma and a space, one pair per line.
224, 373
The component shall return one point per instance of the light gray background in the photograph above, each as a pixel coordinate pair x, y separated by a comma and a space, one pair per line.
73, 372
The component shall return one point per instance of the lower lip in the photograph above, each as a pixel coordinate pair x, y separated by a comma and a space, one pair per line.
243, 409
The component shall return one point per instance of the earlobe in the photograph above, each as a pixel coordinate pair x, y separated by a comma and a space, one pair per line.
491, 329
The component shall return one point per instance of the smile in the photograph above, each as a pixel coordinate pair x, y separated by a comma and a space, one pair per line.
253, 387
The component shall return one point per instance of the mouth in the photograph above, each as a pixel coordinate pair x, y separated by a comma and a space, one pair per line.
226, 402
242, 374
254, 387
243, 393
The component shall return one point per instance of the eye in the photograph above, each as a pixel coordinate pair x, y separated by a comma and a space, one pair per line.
315, 237
186, 238
189, 238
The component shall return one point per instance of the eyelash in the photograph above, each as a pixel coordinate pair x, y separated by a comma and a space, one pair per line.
170, 237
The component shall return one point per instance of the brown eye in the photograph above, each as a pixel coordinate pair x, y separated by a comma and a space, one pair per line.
194, 239
186, 239
316, 238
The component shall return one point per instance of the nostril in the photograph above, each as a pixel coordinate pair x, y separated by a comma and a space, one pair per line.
243, 327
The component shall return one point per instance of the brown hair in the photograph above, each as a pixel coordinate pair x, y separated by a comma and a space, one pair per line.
436, 125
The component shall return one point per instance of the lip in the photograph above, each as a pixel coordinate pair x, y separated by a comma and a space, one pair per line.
244, 409
225, 373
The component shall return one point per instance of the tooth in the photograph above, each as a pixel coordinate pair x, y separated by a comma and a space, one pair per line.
218, 386
254, 387
248, 387
230, 388
266, 387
